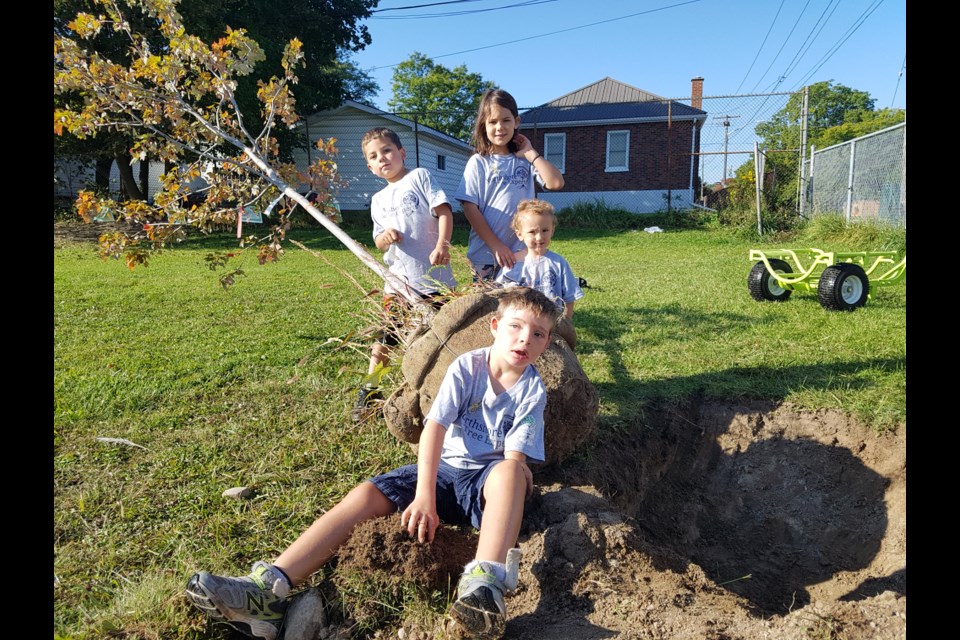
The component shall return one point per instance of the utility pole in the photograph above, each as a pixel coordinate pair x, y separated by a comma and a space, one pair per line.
726, 137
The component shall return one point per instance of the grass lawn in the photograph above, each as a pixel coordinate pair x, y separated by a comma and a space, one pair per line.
252, 386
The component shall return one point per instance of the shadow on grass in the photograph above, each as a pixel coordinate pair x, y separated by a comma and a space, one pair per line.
603, 330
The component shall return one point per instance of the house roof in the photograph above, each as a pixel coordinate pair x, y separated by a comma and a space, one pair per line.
607, 101
423, 129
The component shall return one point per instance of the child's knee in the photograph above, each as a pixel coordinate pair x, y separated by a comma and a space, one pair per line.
509, 473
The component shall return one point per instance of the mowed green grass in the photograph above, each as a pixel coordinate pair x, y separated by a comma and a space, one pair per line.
252, 386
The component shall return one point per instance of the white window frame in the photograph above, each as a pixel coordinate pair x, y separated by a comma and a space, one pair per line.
441, 162
610, 168
559, 160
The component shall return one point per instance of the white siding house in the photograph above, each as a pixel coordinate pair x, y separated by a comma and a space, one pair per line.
443, 156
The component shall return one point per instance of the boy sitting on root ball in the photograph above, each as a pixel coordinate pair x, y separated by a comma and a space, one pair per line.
484, 425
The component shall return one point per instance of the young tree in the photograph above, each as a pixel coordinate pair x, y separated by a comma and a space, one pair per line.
331, 31
441, 98
176, 99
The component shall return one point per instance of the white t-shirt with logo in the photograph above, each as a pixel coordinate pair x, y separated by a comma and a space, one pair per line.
550, 274
407, 205
480, 424
496, 184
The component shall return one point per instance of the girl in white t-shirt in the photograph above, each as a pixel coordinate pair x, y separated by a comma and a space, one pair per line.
497, 177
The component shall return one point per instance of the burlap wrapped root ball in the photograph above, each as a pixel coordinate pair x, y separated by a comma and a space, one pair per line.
463, 324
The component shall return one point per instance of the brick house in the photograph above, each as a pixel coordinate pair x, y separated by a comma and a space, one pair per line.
619, 144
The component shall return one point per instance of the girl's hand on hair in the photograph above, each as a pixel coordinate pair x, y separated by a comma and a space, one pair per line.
524, 147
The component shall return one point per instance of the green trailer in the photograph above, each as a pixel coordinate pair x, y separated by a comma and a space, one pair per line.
842, 280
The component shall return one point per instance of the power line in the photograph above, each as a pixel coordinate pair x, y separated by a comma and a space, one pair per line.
899, 75
780, 50
420, 6
543, 35
853, 29
761, 47
801, 52
448, 14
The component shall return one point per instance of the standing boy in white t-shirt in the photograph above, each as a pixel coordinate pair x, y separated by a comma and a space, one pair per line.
412, 223
536, 265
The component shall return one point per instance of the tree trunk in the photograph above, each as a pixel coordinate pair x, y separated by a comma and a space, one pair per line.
128, 185
145, 178
102, 173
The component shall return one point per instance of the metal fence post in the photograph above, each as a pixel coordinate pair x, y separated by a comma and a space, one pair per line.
853, 155
758, 182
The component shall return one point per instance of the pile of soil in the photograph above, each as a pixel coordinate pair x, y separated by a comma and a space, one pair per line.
708, 521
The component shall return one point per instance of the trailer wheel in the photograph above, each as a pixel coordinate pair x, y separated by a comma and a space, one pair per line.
843, 287
763, 286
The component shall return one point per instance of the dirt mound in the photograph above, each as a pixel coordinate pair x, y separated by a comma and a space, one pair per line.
708, 521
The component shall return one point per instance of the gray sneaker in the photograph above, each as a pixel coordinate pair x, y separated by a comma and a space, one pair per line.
254, 604
479, 610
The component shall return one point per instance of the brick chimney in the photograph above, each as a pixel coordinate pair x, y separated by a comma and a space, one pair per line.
696, 93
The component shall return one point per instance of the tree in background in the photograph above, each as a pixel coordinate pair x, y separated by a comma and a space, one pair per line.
330, 31
441, 98
836, 113
176, 99
831, 106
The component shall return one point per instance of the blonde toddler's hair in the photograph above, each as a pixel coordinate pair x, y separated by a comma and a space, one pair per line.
533, 207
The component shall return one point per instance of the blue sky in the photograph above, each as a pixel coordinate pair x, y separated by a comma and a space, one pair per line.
539, 50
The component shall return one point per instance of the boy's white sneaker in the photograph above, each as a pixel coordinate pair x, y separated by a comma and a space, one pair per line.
479, 610
254, 604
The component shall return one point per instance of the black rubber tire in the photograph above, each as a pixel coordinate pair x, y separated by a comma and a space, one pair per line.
764, 287
843, 287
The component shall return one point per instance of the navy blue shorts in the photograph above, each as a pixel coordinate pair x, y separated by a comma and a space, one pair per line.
459, 491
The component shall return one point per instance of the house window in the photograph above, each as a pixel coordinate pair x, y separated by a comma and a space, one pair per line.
618, 145
555, 150
441, 162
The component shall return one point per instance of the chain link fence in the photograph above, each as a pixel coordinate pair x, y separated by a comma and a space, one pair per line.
861, 179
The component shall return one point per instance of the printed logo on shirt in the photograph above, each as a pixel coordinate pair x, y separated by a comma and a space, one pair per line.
519, 178
409, 204
525, 430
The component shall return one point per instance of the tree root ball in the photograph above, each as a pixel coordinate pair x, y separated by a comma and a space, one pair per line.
463, 324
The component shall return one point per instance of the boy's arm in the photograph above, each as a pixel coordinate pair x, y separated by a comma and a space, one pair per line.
500, 251
527, 474
441, 253
420, 518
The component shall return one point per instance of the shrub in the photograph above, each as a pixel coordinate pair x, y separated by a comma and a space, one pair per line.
830, 230
599, 215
